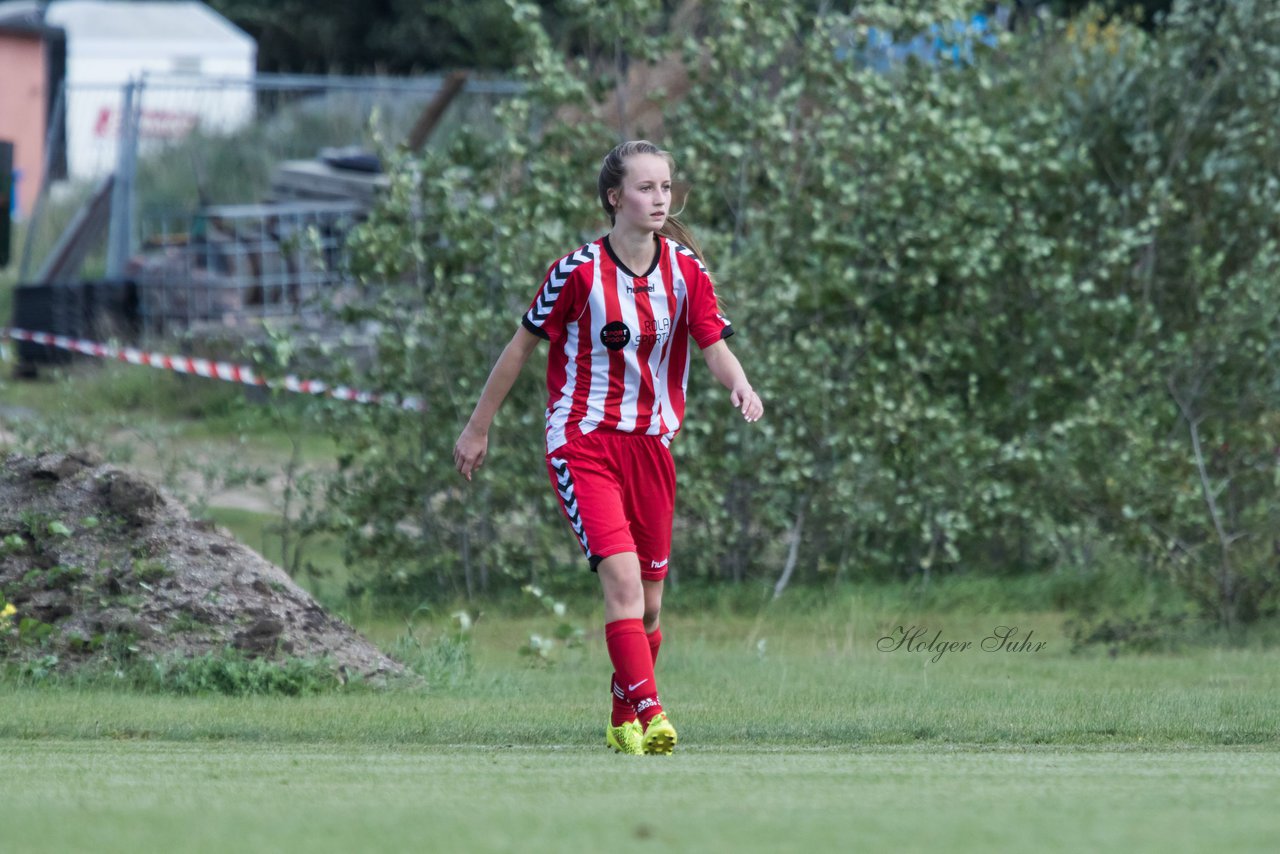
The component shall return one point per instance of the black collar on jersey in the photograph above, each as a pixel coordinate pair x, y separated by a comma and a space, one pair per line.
657, 253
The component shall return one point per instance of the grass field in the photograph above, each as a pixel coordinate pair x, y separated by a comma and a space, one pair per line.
167, 796
813, 740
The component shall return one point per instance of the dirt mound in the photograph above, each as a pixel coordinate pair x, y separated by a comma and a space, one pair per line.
99, 562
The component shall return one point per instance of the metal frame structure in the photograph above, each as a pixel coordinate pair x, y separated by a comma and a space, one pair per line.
230, 264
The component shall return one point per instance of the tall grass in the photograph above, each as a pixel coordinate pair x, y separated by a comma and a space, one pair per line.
818, 679
796, 734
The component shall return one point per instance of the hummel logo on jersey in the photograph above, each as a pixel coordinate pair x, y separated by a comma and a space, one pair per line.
635, 289
637, 685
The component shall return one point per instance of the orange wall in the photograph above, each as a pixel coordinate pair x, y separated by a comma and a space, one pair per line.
23, 101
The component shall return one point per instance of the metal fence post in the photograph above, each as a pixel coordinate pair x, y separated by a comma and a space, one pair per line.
120, 236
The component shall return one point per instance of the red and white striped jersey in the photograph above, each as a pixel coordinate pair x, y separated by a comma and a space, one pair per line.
620, 340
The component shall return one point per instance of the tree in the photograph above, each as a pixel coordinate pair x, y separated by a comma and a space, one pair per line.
380, 36
1012, 314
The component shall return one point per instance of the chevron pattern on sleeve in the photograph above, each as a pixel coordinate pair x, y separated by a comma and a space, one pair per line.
551, 288
689, 253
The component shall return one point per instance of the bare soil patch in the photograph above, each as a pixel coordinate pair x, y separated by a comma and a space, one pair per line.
113, 565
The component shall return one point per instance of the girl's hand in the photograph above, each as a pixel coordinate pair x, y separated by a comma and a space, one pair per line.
745, 400
469, 451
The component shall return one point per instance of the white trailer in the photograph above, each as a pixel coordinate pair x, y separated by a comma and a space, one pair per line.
195, 67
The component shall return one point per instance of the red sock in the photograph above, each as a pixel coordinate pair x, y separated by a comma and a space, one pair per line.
622, 711
633, 669
655, 641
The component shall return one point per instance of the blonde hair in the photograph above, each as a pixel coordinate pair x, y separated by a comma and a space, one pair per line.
614, 169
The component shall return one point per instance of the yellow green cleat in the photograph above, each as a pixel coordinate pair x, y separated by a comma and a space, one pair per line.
659, 736
625, 738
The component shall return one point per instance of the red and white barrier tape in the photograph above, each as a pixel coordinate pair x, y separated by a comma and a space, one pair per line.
207, 368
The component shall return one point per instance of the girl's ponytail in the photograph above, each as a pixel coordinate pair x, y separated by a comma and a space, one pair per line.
676, 230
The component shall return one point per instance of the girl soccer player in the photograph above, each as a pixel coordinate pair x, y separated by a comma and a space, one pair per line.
619, 313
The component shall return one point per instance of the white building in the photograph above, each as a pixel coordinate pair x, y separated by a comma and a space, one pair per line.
188, 57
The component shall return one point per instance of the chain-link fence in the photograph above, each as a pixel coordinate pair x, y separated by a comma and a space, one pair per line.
226, 200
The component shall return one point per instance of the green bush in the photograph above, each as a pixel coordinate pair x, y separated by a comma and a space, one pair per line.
232, 673
1007, 315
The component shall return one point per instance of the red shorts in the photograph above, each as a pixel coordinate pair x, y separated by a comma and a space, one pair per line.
618, 491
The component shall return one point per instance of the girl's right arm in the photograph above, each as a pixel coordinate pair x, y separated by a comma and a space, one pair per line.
471, 447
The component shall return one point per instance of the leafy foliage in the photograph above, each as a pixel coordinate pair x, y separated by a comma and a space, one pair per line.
385, 36
231, 673
1010, 315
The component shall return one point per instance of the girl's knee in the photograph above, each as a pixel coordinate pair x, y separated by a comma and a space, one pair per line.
651, 614
623, 590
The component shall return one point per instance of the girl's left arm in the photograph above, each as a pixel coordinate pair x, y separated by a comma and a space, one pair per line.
726, 368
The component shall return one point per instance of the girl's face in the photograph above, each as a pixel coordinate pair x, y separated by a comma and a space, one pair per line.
644, 199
